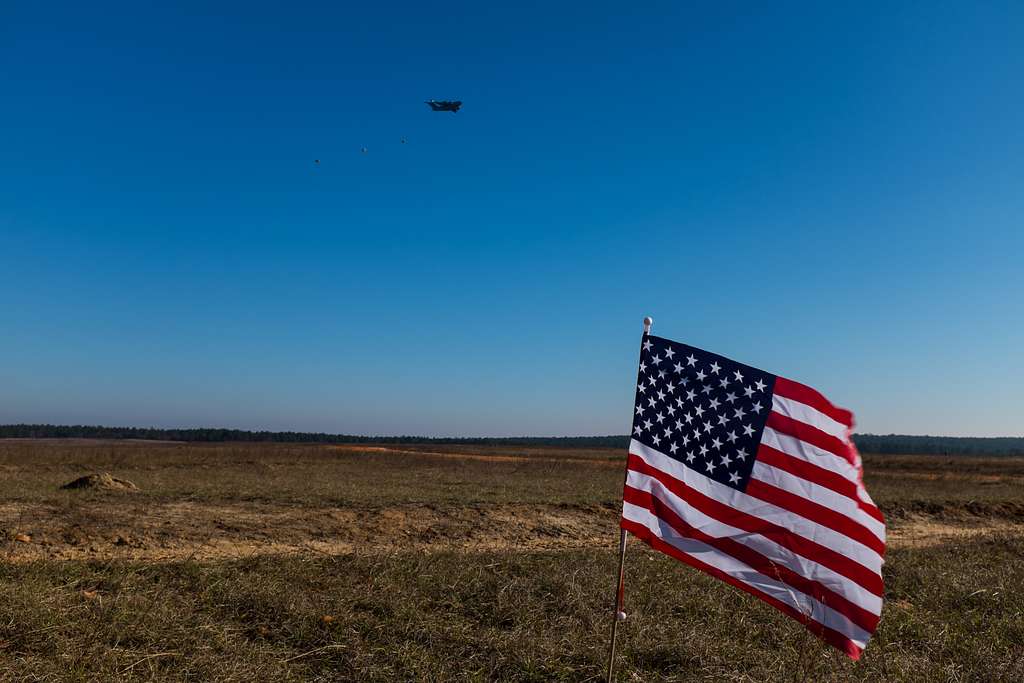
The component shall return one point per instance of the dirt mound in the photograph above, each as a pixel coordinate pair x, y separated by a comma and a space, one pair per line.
101, 481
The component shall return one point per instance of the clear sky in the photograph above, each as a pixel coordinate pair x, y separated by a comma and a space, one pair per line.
831, 194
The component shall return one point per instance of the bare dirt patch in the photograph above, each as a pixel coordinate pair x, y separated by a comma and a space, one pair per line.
200, 530
102, 481
120, 528
922, 531
480, 457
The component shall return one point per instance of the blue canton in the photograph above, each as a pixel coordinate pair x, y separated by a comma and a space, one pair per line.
706, 411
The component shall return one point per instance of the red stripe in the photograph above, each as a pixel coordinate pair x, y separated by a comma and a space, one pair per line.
815, 474
830, 636
786, 538
812, 435
787, 388
816, 512
755, 560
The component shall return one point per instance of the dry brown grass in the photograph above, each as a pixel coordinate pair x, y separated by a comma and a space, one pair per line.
469, 564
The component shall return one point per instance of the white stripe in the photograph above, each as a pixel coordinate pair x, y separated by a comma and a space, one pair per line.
862, 493
809, 452
818, 494
790, 445
811, 416
792, 522
769, 549
732, 567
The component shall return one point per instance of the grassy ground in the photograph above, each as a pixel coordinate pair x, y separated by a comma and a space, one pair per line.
529, 605
315, 475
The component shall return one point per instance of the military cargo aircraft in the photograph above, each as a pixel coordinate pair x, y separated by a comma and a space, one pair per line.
444, 105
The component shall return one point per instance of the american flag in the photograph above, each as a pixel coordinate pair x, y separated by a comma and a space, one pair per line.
753, 479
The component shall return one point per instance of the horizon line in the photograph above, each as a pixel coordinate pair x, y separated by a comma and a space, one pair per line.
424, 437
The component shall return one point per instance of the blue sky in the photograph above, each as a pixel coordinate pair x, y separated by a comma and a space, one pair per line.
832, 194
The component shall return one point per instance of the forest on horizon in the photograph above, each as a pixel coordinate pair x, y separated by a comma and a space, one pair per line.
867, 443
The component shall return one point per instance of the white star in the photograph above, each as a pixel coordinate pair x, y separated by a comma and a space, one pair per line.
715, 367
703, 450
679, 403
656, 439
673, 448
722, 419
689, 418
656, 360
730, 397
726, 460
661, 374
686, 439
756, 408
661, 417
650, 382
639, 409
701, 375
647, 424
734, 478
690, 360
637, 430
709, 465
678, 368
671, 410
668, 432
699, 411
732, 437
760, 385
742, 454
671, 388
714, 404
690, 394
707, 427
669, 353
739, 377
684, 380
641, 388
651, 401
647, 345
689, 456
706, 389
679, 425
661, 395
643, 366
748, 391
748, 430
724, 382
740, 413
716, 443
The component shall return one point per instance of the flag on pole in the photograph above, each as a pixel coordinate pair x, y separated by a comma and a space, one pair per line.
753, 478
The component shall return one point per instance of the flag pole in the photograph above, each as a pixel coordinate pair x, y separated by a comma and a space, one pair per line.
620, 584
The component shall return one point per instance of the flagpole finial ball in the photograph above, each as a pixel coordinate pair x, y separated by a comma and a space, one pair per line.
647, 324
621, 616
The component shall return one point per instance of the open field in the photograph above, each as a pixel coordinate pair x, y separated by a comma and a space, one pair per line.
291, 563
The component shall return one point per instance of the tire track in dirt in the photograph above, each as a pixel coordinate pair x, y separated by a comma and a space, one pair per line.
187, 529
484, 457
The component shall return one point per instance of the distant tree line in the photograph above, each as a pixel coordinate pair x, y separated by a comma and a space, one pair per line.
208, 434
939, 445
867, 443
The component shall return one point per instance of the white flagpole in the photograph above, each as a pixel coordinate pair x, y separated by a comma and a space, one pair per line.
620, 584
